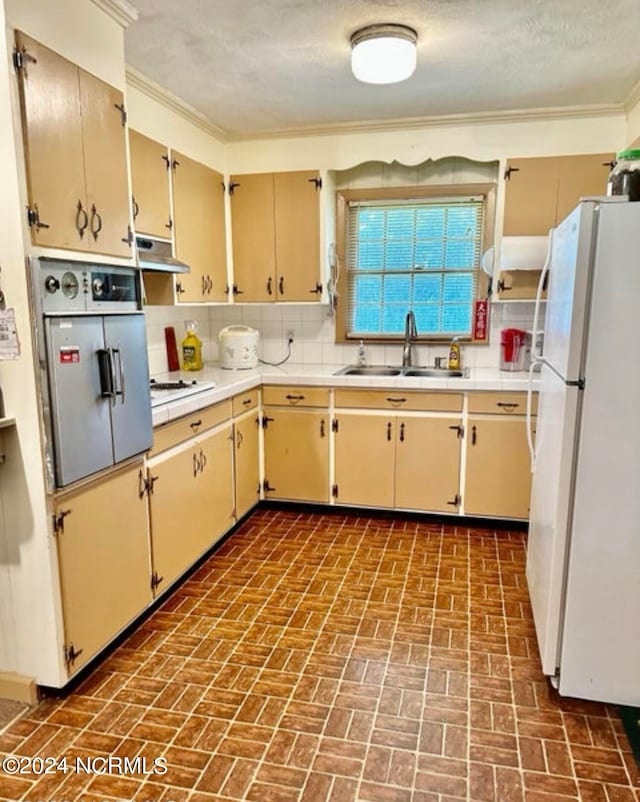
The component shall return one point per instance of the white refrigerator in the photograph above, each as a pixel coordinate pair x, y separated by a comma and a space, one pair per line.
583, 556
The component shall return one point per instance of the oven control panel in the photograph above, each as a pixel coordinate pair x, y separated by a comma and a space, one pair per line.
79, 288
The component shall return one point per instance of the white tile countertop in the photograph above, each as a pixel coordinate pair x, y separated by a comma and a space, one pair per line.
230, 382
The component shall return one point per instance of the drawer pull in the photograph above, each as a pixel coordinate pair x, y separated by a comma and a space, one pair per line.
393, 400
294, 398
508, 406
196, 424
247, 402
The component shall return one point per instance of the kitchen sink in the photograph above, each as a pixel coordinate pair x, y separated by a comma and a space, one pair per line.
368, 370
441, 373
385, 370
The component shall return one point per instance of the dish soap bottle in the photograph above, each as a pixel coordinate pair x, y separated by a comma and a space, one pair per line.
192, 348
362, 354
455, 360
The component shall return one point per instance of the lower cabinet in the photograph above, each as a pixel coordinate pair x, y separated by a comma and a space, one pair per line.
401, 461
246, 463
103, 554
191, 499
296, 454
498, 478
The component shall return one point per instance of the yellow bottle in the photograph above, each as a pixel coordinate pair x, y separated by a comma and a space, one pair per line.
191, 348
454, 355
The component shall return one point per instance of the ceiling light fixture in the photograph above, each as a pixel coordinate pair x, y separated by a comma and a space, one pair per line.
383, 54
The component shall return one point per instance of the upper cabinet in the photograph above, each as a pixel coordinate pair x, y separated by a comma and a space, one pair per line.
74, 136
150, 186
198, 205
540, 192
275, 219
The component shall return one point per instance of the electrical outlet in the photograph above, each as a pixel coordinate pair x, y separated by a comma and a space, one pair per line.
291, 336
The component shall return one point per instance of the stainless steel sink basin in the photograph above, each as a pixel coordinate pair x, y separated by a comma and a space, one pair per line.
368, 370
385, 370
441, 373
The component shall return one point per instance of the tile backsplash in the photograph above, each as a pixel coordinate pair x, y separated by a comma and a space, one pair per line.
313, 328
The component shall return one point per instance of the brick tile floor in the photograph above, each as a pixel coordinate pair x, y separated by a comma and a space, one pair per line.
332, 658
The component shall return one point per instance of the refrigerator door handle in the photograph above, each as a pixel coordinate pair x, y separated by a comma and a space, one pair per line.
542, 283
107, 374
530, 443
121, 390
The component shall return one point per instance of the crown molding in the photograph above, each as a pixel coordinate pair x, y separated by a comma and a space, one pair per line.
139, 81
119, 10
633, 98
410, 123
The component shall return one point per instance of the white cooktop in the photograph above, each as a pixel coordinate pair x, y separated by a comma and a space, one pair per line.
165, 392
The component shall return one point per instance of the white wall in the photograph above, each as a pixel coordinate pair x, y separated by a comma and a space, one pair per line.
633, 121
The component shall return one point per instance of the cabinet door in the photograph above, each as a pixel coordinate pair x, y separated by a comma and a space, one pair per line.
252, 223
364, 459
296, 445
198, 202
498, 479
428, 464
297, 222
105, 162
531, 196
215, 453
50, 96
103, 554
150, 186
581, 176
247, 466
175, 511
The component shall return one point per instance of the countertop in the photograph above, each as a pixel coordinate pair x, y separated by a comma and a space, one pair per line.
231, 382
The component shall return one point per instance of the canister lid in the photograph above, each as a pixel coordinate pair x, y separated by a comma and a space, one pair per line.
629, 154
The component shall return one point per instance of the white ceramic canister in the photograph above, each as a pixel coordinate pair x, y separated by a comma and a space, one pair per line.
238, 347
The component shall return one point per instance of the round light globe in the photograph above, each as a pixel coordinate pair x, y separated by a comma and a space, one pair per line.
383, 54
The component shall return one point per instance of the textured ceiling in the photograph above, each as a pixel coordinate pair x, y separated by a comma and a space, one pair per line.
253, 67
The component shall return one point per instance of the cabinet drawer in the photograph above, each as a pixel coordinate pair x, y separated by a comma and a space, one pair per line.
244, 402
287, 396
177, 431
502, 403
399, 399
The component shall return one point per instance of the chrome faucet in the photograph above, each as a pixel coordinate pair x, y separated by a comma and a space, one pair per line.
410, 334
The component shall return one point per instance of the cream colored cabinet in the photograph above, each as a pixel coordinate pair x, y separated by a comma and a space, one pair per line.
275, 220
400, 461
427, 475
498, 477
540, 193
295, 423
199, 222
74, 137
364, 459
246, 451
150, 186
190, 502
103, 554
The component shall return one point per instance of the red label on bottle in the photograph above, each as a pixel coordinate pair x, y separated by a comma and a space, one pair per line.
480, 319
69, 355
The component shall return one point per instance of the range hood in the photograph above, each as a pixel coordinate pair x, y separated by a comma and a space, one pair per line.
155, 254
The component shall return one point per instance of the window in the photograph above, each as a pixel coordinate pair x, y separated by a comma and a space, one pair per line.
421, 254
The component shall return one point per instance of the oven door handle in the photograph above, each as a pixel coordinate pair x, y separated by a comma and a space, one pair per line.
107, 375
119, 390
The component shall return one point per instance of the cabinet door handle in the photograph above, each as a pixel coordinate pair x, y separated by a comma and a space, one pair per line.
179, 288
502, 287
203, 460
236, 291
239, 438
402, 432
389, 431
322, 428
196, 465
81, 225
204, 284
95, 216
456, 501
281, 285
507, 406
269, 287
136, 207
317, 289
474, 435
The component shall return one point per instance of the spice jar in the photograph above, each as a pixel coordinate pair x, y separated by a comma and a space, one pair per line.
624, 178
